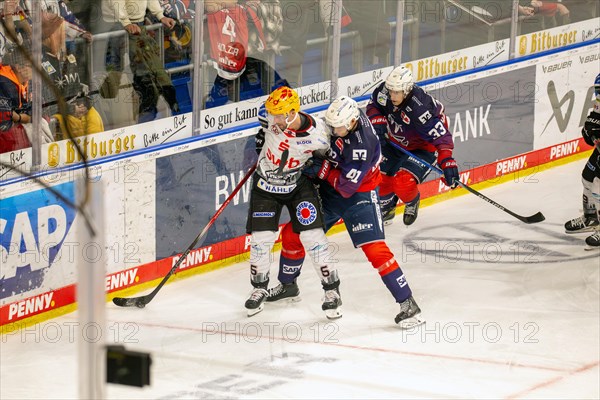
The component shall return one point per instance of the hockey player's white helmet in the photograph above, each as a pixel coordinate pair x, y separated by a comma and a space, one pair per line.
343, 112
400, 80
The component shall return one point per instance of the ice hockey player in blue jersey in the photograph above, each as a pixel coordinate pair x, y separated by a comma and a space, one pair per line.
406, 116
348, 180
590, 178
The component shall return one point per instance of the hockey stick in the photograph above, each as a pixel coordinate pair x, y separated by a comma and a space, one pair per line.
141, 301
532, 219
283, 161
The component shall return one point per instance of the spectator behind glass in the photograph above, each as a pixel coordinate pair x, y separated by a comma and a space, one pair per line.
150, 79
237, 53
551, 9
15, 100
73, 27
299, 18
370, 19
12, 24
178, 40
63, 71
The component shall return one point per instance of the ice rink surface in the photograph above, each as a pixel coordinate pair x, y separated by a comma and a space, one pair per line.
512, 311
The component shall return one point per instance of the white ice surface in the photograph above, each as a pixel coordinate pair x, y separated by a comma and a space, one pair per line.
512, 312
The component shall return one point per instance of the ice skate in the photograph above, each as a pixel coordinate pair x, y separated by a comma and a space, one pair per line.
388, 209
409, 315
593, 242
332, 304
411, 211
283, 291
388, 216
585, 223
255, 302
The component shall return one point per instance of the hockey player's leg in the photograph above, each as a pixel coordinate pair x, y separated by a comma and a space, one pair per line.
405, 186
390, 164
411, 174
593, 241
332, 300
290, 264
589, 221
260, 262
387, 199
392, 276
320, 252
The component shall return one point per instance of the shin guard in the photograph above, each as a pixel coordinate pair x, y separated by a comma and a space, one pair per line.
292, 255
382, 259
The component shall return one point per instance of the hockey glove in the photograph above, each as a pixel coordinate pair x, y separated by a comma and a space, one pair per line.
450, 169
259, 140
591, 128
318, 169
380, 125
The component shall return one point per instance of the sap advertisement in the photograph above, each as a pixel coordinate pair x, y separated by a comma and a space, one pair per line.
33, 229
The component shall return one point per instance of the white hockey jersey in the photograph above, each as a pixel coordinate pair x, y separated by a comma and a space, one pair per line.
300, 145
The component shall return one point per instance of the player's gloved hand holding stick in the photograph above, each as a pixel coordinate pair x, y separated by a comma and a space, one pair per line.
317, 168
449, 168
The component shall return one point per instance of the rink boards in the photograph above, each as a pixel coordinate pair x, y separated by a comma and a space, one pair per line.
508, 122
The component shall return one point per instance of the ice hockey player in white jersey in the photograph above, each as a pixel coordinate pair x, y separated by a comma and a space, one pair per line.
290, 139
589, 222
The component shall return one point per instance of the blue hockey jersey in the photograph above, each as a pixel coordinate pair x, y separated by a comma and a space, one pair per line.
355, 159
418, 123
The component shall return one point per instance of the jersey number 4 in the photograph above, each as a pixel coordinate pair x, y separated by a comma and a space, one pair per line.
229, 28
438, 130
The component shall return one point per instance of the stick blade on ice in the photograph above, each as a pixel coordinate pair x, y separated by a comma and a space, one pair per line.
538, 217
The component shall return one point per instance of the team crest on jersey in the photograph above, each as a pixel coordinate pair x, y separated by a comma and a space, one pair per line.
359, 155
339, 143
404, 117
306, 212
48, 67
382, 99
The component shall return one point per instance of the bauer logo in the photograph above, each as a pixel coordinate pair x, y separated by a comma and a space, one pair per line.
558, 105
33, 227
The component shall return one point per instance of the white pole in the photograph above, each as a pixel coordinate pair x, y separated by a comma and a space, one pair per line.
198, 72
513, 29
334, 46
399, 34
90, 292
